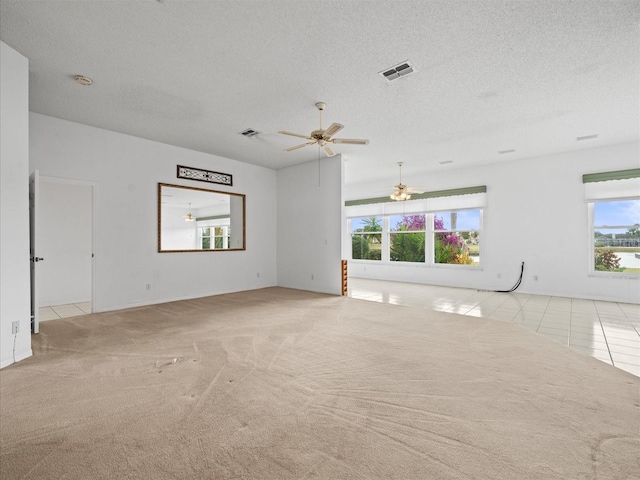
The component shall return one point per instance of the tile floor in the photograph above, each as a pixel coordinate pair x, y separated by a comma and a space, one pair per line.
608, 331
63, 311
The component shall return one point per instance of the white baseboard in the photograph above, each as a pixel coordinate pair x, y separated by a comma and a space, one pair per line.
11, 361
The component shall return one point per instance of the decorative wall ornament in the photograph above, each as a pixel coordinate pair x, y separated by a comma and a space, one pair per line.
205, 175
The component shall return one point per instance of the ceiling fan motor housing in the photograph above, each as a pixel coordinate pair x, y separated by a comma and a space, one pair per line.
318, 134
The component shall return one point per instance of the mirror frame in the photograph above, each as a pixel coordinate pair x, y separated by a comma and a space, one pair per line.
244, 219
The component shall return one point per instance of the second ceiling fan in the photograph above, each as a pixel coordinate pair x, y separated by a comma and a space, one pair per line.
323, 137
400, 191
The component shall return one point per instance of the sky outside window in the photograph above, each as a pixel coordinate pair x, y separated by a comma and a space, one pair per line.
617, 213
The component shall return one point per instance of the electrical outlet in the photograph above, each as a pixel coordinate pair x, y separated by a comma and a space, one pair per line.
148, 286
15, 327
312, 277
258, 274
535, 278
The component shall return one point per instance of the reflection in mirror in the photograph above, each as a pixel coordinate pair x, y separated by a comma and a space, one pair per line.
195, 219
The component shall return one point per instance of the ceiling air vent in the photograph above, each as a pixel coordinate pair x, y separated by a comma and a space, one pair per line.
250, 132
401, 70
587, 137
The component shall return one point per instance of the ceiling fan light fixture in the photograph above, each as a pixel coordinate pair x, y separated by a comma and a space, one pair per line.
401, 193
189, 216
400, 196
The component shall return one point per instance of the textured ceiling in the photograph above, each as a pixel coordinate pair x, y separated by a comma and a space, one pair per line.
490, 75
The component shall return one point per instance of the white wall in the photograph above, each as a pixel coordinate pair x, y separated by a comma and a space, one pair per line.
309, 226
535, 213
14, 206
126, 171
65, 243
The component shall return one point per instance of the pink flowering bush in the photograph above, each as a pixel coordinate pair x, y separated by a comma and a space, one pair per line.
449, 247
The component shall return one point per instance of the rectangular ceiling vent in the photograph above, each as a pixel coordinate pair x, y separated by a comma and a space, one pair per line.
401, 70
250, 132
587, 137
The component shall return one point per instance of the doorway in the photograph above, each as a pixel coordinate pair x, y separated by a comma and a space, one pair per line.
64, 240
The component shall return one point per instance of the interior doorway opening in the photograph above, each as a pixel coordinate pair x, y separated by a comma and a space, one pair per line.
63, 275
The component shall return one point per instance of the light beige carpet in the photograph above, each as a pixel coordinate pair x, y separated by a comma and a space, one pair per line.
284, 384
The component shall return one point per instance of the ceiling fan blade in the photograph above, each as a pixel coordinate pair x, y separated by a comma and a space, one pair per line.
351, 141
328, 150
333, 129
284, 132
414, 190
290, 149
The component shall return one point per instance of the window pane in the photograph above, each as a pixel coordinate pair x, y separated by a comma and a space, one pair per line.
616, 236
461, 248
366, 238
618, 213
366, 224
401, 223
460, 220
407, 247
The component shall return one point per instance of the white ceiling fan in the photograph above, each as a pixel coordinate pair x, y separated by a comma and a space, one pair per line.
401, 191
323, 137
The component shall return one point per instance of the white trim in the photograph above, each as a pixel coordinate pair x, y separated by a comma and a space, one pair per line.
612, 190
11, 361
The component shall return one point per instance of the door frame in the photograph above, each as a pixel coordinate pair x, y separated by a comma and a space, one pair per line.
94, 188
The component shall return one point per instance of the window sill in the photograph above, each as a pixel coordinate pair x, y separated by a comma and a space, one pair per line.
474, 268
623, 276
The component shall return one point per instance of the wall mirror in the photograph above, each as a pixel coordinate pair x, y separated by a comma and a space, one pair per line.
196, 220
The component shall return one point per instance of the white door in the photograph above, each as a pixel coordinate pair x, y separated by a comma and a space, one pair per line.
33, 226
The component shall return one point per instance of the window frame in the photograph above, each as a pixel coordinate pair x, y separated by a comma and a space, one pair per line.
212, 225
591, 211
351, 233
389, 233
458, 231
429, 236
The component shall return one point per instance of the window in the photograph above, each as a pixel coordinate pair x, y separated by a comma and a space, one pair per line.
616, 236
440, 228
366, 238
406, 239
439, 238
456, 237
214, 236
204, 234
614, 219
